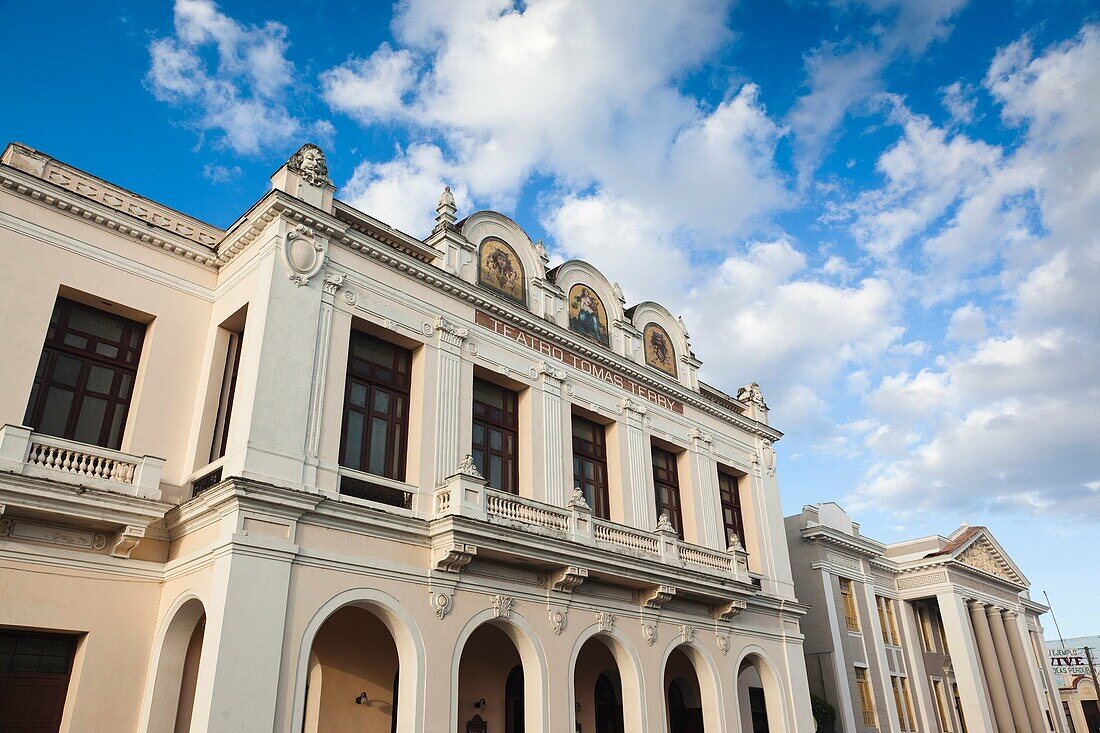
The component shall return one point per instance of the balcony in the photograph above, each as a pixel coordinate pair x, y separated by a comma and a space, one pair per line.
539, 535
24, 452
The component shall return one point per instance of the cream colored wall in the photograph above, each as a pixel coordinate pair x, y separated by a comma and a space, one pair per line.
114, 612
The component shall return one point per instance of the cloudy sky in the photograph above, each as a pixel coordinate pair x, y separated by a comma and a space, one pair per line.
884, 211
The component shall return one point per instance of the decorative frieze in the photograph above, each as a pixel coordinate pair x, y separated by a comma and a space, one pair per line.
18, 529
919, 581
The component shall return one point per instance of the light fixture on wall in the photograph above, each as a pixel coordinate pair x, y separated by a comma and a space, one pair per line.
362, 699
480, 704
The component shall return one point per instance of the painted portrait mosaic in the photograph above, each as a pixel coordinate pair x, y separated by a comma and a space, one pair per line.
587, 316
499, 269
658, 349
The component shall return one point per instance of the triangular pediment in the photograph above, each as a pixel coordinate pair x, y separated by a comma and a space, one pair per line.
983, 553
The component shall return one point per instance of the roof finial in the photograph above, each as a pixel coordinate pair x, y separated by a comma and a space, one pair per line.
445, 211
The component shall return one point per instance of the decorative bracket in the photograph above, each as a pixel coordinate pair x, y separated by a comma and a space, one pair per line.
128, 537
729, 611
453, 558
566, 579
655, 597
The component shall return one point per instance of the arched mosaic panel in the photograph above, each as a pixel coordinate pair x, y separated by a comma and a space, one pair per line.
499, 269
587, 316
658, 349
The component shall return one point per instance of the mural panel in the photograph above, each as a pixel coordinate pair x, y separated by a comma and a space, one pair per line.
587, 316
499, 269
658, 349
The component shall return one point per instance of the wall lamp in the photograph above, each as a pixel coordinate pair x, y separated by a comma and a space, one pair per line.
480, 704
362, 699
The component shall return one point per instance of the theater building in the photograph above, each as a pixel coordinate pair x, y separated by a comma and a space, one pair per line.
1076, 665
936, 634
310, 473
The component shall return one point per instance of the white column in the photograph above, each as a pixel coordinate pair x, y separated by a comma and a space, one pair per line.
637, 485
705, 493
964, 659
1024, 672
918, 674
878, 644
330, 286
840, 664
554, 431
242, 649
1008, 669
449, 398
994, 681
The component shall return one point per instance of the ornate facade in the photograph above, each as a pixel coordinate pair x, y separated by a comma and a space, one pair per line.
936, 634
311, 473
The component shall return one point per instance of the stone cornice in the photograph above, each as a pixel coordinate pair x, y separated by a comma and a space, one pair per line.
914, 566
860, 546
100, 214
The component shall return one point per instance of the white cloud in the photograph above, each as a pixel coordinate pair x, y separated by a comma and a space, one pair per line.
958, 99
1022, 427
234, 77
221, 174
373, 88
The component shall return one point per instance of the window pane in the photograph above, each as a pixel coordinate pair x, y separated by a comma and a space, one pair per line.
381, 401
378, 432
358, 394
89, 424
100, 379
55, 413
479, 434
72, 339
496, 440
489, 393
96, 323
107, 350
114, 440
353, 443
66, 370
479, 461
496, 472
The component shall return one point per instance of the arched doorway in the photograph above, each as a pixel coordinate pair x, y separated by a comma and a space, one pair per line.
758, 696
353, 675
683, 696
598, 688
491, 682
177, 670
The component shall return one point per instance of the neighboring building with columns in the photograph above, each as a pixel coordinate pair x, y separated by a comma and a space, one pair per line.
312, 473
936, 634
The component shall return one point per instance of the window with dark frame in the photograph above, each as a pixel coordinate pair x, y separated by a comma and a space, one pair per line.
590, 465
666, 487
730, 497
376, 407
225, 396
496, 435
85, 378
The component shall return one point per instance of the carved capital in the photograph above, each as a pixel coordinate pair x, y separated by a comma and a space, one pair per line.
550, 375
566, 579
627, 405
449, 333
453, 558
728, 611
655, 597
700, 439
332, 283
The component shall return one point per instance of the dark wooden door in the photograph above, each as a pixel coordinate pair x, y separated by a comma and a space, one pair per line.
1092, 715
758, 706
34, 679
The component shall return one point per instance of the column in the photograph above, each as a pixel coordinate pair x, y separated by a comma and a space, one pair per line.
711, 532
888, 721
637, 484
840, 662
1008, 669
449, 398
1023, 670
553, 435
331, 284
993, 678
964, 658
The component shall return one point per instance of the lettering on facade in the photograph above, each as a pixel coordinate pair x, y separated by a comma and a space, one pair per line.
605, 374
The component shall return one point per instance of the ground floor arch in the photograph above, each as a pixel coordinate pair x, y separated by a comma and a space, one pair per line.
598, 688
759, 696
500, 678
354, 674
683, 694
176, 670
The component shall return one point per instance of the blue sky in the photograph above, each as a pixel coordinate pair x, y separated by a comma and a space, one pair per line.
881, 210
